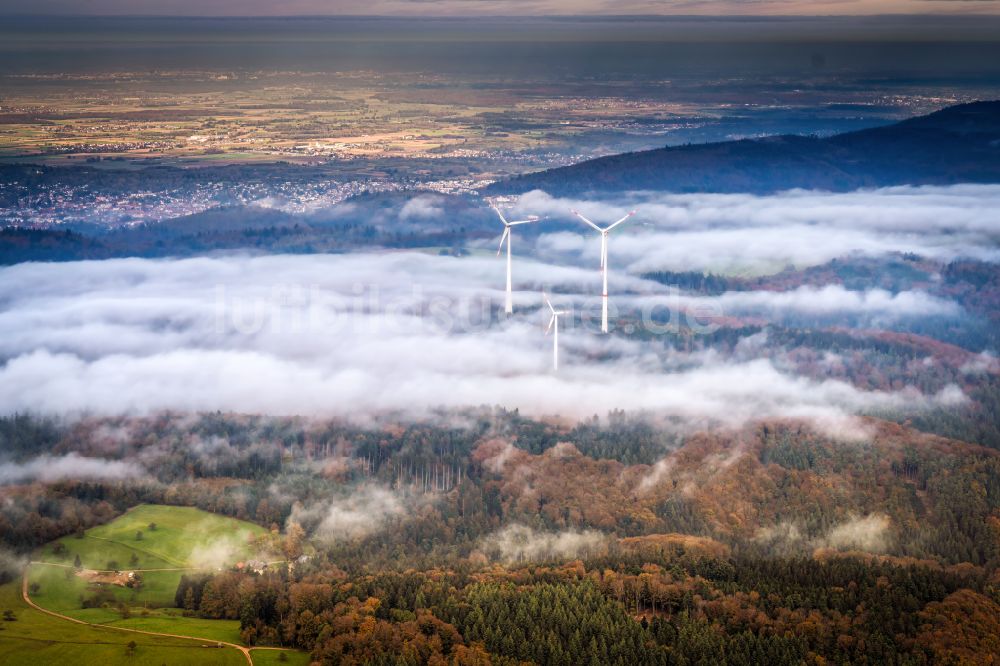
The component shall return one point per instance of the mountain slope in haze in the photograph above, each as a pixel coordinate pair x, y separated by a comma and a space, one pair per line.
372, 220
959, 144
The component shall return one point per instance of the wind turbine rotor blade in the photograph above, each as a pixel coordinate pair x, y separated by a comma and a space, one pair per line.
604, 250
502, 218
577, 213
506, 232
552, 321
511, 224
548, 302
621, 220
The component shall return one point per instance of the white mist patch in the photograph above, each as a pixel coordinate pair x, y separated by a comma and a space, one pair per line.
365, 511
657, 474
293, 335
981, 364
784, 533
48, 469
11, 564
216, 554
519, 543
196, 380
869, 533
425, 206
828, 300
724, 233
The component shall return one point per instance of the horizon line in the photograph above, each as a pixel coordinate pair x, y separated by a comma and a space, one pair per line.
449, 17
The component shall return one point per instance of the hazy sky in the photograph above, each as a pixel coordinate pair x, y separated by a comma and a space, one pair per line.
495, 7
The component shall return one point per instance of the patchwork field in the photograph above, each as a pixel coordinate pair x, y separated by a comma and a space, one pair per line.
299, 119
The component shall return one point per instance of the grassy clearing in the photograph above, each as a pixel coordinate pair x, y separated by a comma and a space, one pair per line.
98, 554
150, 609
62, 591
273, 658
172, 622
183, 541
181, 535
36, 638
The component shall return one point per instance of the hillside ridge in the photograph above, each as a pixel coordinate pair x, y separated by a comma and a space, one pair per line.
958, 144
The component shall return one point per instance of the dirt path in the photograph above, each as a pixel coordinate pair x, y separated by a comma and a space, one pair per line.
27, 600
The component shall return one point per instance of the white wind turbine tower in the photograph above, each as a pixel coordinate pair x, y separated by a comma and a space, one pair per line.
506, 237
604, 263
554, 327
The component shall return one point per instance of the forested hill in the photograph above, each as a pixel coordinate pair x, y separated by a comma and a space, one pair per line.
959, 144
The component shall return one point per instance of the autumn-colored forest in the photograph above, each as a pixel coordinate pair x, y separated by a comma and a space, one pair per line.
498, 539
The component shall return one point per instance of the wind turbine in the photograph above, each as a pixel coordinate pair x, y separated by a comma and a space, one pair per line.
506, 236
554, 327
604, 263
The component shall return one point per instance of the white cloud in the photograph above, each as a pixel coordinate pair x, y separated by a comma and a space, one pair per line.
253, 382
518, 543
659, 472
869, 533
357, 335
725, 233
422, 207
365, 511
293, 335
71, 466
981, 364
831, 299
217, 553
11, 564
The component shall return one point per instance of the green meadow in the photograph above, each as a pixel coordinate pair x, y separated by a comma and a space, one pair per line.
263, 657
160, 543
34, 638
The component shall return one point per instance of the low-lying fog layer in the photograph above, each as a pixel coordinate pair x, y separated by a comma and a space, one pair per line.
366, 334
726, 232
